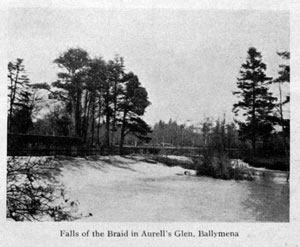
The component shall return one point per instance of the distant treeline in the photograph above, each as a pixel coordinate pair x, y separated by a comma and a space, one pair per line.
214, 135
204, 134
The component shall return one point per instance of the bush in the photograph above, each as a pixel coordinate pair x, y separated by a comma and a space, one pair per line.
32, 191
220, 166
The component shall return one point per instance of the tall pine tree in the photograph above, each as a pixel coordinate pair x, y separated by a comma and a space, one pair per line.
132, 106
255, 103
74, 63
20, 98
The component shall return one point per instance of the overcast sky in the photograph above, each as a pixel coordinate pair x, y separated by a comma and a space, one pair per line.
188, 60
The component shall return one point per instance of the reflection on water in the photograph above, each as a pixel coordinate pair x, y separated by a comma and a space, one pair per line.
206, 199
268, 198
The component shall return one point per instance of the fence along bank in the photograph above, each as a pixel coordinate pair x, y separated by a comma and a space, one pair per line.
37, 145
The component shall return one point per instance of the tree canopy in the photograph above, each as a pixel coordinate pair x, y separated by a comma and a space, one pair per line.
98, 100
255, 101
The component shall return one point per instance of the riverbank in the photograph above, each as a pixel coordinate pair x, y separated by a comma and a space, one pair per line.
272, 163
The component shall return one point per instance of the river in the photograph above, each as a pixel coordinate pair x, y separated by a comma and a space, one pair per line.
155, 193
206, 199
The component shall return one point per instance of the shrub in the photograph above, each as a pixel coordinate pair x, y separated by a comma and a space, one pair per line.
220, 166
32, 191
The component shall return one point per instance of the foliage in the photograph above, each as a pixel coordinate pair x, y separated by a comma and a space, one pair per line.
99, 93
283, 77
90, 94
218, 165
134, 101
20, 97
284, 72
23, 97
207, 134
32, 191
211, 164
74, 62
255, 103
175, 134
56, 123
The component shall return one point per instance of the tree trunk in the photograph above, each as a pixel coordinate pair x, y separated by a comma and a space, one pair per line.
114, 113
253, 139
11, 108
77, 113
86, 127
107, 143
12, 99
84, 115
286, 149
99, 121
122, 136
93, 121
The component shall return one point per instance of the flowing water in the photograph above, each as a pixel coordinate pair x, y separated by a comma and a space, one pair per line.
147, 197
207, 199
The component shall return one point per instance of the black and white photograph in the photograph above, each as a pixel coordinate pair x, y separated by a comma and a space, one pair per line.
148, 115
